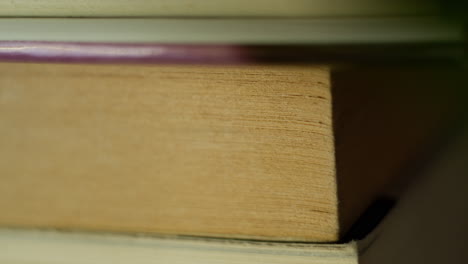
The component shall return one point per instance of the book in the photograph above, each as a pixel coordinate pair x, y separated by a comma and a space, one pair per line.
237, 31
272, 152
420, 228
210, 8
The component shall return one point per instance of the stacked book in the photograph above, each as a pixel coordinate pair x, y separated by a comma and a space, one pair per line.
237, 132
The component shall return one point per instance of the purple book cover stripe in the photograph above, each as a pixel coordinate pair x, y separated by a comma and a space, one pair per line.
119, 52
88, 52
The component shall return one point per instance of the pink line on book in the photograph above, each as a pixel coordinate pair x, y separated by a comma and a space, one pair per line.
121, 52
